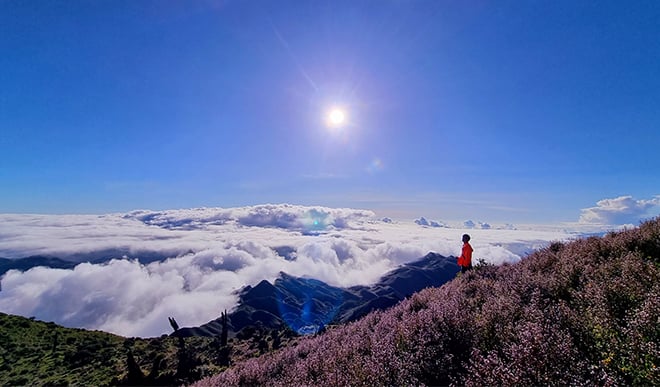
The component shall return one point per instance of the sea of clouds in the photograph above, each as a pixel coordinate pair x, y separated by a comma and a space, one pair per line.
139, 268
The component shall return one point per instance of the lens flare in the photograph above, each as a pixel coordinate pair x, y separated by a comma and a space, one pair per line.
375, 166
309, 307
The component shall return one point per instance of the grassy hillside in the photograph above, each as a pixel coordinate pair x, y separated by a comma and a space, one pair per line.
580, 313
34, 352
37, 353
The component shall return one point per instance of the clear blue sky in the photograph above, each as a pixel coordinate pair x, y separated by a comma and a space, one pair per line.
492, 110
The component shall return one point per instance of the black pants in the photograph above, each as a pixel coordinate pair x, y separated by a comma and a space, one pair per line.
466, 268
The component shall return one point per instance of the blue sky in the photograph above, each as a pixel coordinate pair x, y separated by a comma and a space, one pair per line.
513, 111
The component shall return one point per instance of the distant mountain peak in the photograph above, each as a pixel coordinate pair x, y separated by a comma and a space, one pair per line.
306, 304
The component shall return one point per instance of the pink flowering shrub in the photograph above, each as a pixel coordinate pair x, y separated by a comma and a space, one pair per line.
580, 313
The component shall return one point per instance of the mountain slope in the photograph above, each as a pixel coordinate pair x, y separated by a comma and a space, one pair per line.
580, 313
28, 263
35, 352
307, 305
38, 353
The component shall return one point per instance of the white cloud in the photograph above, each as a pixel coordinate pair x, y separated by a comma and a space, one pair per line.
429, 223
208, 254
621, 210
284, 216
481, 225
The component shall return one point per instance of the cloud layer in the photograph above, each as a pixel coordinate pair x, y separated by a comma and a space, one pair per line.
199, 258
620, 210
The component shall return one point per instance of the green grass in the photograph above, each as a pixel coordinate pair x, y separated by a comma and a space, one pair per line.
38, 353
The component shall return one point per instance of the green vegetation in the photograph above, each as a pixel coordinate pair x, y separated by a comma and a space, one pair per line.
38, 353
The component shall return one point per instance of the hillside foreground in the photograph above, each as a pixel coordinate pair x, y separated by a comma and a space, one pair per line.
586, 312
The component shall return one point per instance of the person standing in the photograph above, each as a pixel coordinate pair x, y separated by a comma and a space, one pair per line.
465, 260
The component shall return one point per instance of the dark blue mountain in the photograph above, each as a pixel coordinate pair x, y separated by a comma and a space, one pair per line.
307, 305
28, 263
71, 260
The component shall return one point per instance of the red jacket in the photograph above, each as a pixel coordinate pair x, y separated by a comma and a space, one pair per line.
465, 259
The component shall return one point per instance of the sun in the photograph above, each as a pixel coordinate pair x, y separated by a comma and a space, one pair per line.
336, 117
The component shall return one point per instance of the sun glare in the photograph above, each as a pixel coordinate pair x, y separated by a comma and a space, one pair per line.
336, 117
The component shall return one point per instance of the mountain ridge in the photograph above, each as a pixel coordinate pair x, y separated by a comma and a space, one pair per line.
307, 305
28, 263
